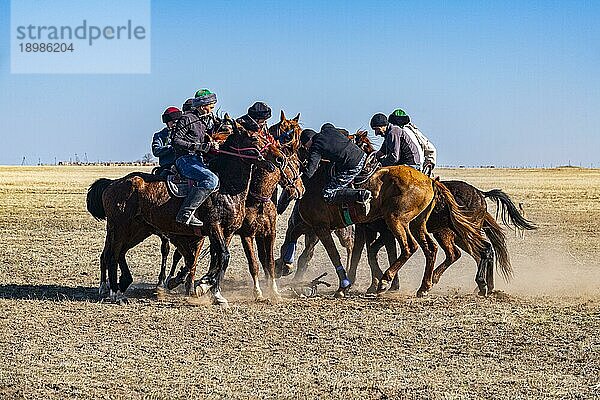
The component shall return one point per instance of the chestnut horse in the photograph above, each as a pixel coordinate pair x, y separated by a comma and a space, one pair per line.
138, 201
403, 197
376, 235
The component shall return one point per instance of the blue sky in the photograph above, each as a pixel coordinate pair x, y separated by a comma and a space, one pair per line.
504, 83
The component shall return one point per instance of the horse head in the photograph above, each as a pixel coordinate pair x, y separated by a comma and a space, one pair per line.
287, 133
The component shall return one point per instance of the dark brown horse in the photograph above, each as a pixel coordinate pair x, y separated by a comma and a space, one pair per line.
139, 203
260, 219
402, 196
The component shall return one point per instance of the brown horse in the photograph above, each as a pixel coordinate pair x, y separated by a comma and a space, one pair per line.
260, 219
137, 201
403, 197
375, 235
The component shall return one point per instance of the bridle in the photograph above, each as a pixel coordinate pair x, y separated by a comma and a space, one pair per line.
290, 182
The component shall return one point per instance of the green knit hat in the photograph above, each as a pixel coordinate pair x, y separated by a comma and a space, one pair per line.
202, 93
399, 117
204, 97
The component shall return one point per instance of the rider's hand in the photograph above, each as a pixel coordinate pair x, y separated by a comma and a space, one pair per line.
202, 147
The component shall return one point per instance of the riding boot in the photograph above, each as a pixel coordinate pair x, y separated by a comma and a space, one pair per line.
349, 195
190, 204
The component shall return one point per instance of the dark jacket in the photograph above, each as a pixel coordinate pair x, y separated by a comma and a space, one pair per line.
334, 146
161, 148
191, 129
400, 148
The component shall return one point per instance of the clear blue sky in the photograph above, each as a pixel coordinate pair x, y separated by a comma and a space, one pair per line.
505, 83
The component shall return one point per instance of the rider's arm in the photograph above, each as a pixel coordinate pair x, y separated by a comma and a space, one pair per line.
179, 137
159, 148
314, 157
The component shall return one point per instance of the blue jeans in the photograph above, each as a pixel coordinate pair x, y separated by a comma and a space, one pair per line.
192, 167
342, 179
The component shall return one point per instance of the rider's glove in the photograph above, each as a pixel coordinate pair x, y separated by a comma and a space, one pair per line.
202, 147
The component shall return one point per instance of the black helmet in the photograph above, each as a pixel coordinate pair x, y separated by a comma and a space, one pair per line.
259, 110
379, 120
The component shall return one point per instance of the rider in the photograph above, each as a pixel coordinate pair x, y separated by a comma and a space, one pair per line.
400, 146
191, 138
401, 119
347, 157
187, 106
255, 120
161, 145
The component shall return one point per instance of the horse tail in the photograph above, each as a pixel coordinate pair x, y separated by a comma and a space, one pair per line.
497, 237
461, 224
508, 211
94, 198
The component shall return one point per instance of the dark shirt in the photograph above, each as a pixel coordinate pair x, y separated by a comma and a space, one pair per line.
161, 148
334, 146
399, 148
191, 128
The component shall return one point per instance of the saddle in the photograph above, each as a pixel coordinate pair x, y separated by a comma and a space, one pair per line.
177, 184
370, 166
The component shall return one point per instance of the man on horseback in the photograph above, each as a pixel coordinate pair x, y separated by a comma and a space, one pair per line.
400, 146
191, 139
161, 144
347, 158
401, 119
255, 120
187, 105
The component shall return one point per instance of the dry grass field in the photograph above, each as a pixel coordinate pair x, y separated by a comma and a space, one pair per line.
538, 337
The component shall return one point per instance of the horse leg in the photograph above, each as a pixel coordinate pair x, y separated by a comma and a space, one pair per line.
266, 247
165, 247
125, 279
489, 259
103, 289
334, 256
419, 230
211, 281
356, 254
186, 248
176, 258
117, 239
346, 238
296, 228
310, 241
248, 245
398, 224
387, 239
446, 239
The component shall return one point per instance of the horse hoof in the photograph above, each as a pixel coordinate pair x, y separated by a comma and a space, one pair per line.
282, 268
483, 292
384, 286
339, 294
172, 283
422, 293
103, 290
201, 289
372, 289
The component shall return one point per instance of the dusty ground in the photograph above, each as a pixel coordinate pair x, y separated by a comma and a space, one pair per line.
538, 338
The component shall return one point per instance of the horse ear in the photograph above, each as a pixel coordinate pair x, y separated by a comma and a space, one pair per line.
282, 118
297, 117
